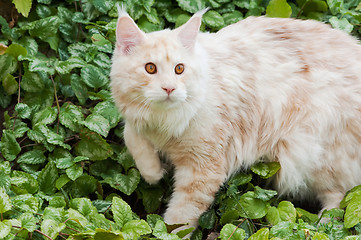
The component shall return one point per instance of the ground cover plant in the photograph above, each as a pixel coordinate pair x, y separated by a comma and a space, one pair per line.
64, 170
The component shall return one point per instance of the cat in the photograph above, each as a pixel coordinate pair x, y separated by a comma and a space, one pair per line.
214, 103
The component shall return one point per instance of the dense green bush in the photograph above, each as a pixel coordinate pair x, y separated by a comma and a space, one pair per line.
64, 170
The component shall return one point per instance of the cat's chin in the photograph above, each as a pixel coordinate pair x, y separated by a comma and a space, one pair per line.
166, 104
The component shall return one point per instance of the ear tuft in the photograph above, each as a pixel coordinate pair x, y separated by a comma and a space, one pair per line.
127, 32
188, 32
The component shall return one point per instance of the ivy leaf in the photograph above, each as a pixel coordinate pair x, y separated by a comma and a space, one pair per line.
232, 17
47, 178
231, 232
64, 67
23, 6
5, 203
61, 181
32, 157
28, 221
192, 6
122, 212
98, 124
10, 148
62, 158
84, 206
278, 8
83, 186
46, 29
74, 172
93, 76
213, 19
79, 88
103, 5
93, 146
263, 194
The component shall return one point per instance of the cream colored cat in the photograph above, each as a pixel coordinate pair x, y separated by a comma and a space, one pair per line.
214, 103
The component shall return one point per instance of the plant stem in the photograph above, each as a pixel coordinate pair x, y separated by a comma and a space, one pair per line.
236, 229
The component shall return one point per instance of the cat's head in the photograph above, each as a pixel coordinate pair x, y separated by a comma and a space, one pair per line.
162, 70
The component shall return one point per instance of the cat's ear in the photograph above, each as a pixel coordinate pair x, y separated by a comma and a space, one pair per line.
188, 32
128, 34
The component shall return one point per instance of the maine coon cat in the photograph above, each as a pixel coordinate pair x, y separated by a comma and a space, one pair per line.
214, 103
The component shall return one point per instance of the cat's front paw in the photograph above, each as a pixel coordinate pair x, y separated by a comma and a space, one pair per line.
152, 177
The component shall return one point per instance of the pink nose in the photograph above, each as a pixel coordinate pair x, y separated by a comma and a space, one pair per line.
168, 90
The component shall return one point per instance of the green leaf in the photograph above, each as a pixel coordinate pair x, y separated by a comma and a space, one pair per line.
64, 67
342, 24
232, 17
251, 207
93, 146
42, 64
24, 181
278, 8
78, 217
74, 172
83, 206
62, 158
133, 229
284, 212
5, 204
10, 148
46, 29
70, 115
261, 234
46, 116
8, 65
109, 111
208, 219
160, 231
264, 194
213, 19
83, 186
93, 76
61, 181
16, 50
28, 221
47, 178
31, 82
125, 183
5, 229
306, 216
23, 6
353, 212
266, 169
23, 110
79, 88
192, 6
57, 202
26, 203
231, 232
10, 85
282, 230
122, 212
32, 157
321, 236
152, 197
98, 124
52, 228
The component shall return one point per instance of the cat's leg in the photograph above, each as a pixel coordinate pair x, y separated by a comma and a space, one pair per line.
194, 191
144, 154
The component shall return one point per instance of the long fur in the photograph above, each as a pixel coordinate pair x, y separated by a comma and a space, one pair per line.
286, 89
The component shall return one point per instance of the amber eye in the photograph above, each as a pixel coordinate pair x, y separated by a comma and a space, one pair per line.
179, 69
150, 68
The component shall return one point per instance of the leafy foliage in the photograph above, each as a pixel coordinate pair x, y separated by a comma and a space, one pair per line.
64, 170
